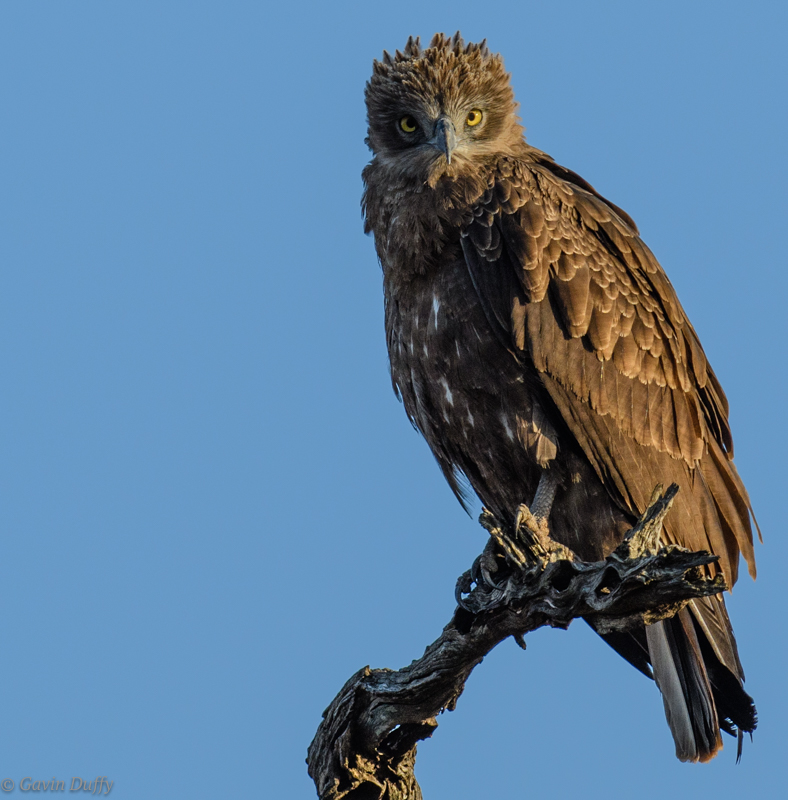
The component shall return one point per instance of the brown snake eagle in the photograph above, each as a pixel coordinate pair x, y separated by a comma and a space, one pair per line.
541, 351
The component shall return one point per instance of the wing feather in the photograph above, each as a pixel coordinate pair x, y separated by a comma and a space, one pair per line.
571, 286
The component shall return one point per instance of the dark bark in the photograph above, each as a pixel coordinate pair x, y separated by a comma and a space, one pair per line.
365, 747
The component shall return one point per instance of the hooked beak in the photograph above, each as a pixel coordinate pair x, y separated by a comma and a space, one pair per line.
444, 137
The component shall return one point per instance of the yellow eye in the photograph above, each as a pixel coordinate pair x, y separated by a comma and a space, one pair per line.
408, 124
474, 117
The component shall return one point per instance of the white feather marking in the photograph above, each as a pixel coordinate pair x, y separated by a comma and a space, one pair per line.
436, 304
506, 426
447, 391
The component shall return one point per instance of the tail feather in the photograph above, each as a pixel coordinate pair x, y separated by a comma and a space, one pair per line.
686, 662
735, 708
681, 676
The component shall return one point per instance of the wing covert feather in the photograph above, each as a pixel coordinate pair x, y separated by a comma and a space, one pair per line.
565, 278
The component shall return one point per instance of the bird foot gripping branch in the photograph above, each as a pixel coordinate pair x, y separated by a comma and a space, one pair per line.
529, 545
520, 563
366, 744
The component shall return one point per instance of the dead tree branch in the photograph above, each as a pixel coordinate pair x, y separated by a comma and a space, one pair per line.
365, 747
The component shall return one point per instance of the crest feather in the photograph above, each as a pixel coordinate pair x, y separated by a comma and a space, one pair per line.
439, 44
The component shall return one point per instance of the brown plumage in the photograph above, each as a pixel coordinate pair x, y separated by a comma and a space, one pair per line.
531, 331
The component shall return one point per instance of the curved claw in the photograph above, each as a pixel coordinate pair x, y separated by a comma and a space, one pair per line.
480, 571
463, 586
488, 578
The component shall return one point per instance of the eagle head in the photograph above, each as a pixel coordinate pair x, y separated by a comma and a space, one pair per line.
439, 111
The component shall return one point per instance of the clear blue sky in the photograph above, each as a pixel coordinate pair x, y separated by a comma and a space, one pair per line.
213, 508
